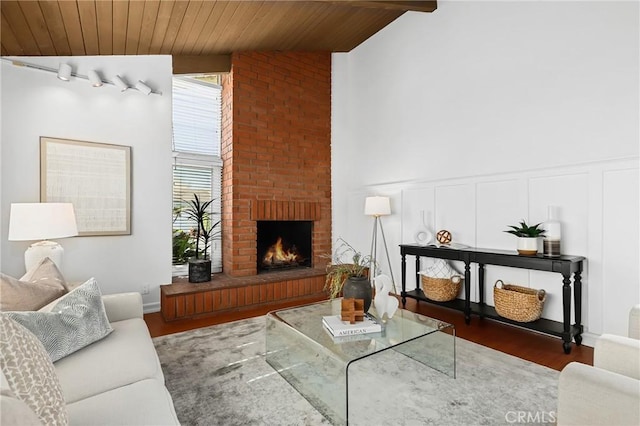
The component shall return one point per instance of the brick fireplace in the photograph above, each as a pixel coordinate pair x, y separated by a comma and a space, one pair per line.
276, 149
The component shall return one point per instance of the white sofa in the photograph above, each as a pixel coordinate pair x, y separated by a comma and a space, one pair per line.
609, 392
117, 380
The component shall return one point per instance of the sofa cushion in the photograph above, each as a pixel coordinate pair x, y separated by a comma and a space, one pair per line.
77, 320
125, 356
29, 372
146, 402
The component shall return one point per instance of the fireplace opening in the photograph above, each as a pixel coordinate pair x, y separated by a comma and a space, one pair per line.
284, 245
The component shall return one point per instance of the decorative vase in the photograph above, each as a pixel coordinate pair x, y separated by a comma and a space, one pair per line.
358, 288
527, 245
199, 270
385, 303
553, 233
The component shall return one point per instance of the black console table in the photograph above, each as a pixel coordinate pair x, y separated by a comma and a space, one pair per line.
565, 265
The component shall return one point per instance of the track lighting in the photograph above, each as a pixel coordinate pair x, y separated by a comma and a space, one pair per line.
64, 72
120, 84
94, 78
143, 87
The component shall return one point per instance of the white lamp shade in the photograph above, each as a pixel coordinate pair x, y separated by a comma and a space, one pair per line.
41, 221
377, 206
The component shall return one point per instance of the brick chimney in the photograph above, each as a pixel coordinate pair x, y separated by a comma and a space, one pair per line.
276, 148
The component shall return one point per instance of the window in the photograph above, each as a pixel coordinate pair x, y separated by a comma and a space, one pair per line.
197, 166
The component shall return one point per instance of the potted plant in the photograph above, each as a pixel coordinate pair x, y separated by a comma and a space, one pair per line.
200, 264
349, 273
527, 237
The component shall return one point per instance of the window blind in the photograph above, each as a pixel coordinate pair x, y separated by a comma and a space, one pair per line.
197, 109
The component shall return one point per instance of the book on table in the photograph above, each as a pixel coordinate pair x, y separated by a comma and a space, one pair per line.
337, 327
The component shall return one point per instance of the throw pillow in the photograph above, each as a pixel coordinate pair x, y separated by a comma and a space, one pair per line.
77, 320
30, 373
35, 289
16, 295
46, 273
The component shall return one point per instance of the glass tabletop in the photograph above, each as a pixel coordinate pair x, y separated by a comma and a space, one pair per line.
327, 370
403, 327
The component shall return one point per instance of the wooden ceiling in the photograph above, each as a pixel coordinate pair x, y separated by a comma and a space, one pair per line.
191, 28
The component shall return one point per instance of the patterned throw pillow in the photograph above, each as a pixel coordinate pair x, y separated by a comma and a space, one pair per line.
30, 373
77, 320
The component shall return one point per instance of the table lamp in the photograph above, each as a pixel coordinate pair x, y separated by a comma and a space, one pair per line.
42, 221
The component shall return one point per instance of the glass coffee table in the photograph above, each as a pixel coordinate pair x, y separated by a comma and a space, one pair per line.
329, 371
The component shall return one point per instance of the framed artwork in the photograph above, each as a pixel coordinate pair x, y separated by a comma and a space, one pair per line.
95, 177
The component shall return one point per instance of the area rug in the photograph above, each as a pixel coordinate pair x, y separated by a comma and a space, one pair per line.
218, 376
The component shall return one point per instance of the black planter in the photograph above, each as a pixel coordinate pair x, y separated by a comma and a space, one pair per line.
199, 271
358, 288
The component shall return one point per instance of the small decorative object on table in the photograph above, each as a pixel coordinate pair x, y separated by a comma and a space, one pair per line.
337, 327
440, 282
385, 303
553, 233
352, 310
444, 237
527, 237
517, 303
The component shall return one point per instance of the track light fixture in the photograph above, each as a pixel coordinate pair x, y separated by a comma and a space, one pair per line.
120, 84
143, 87
94, 78
64, 72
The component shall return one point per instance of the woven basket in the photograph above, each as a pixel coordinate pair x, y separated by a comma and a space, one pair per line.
518, 303
441, 289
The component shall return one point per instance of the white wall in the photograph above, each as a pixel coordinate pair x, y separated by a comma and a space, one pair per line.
35, 103
481, 114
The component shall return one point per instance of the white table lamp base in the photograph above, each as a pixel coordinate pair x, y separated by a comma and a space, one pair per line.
38, 251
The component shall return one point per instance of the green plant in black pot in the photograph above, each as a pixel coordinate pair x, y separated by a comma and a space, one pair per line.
205, 231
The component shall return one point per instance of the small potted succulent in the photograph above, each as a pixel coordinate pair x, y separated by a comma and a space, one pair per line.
527, 237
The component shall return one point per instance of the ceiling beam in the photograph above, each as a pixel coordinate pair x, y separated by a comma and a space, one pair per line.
192, 64
416, 6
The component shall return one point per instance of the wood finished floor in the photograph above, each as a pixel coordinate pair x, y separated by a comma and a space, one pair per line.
525, 344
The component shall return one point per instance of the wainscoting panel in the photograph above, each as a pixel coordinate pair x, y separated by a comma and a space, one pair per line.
620, 224
598, 207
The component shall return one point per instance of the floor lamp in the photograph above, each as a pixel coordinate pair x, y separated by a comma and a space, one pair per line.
377, 207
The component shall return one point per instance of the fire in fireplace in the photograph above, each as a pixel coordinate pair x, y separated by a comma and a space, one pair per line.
284, 245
